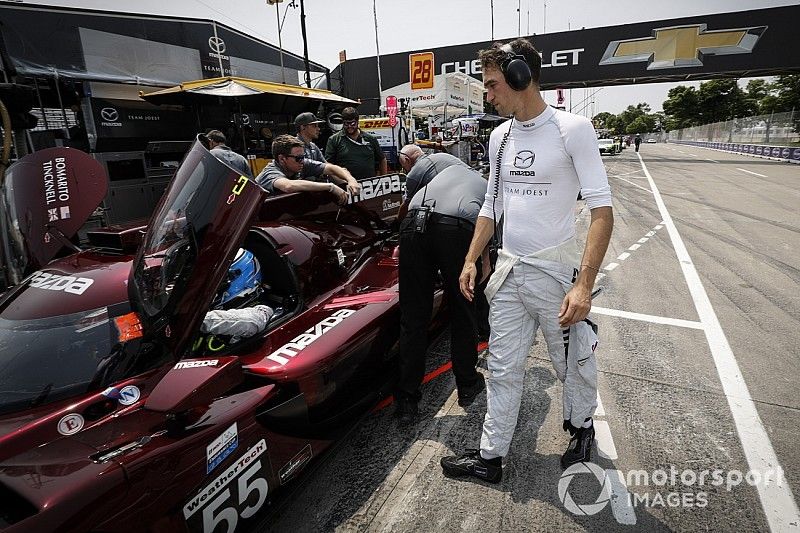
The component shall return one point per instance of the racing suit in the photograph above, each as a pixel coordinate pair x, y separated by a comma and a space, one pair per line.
538, 168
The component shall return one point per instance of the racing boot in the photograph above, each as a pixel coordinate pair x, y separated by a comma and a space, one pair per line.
580, 445
467, 395
470, 463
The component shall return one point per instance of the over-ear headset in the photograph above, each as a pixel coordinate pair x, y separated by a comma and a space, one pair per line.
515, 69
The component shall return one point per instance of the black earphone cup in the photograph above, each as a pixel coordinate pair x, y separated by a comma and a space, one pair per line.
518, 74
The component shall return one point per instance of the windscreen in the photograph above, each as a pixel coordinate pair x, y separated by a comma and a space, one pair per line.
48, 359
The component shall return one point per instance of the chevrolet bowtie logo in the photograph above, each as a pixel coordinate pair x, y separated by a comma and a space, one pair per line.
682, 46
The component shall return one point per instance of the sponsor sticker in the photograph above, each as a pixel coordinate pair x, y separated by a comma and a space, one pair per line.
70, 424
196, 364
221, 447
232, 494
129, 395
56, 282
295, 464
302, 341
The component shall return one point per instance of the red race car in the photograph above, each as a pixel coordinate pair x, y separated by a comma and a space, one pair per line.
117, 411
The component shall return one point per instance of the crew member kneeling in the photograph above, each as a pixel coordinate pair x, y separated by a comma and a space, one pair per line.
435, 236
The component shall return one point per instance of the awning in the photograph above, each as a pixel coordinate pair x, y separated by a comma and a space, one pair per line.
251, 93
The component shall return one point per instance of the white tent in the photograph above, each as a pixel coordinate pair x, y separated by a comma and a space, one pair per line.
453, 94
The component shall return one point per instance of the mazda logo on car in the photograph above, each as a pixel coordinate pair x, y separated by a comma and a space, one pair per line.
109, 114
524, 159
216, 44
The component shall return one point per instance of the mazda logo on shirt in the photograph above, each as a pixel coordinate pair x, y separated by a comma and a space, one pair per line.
109, 114
216, 44
524, 159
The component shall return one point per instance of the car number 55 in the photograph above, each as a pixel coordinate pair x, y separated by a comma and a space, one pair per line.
247, 484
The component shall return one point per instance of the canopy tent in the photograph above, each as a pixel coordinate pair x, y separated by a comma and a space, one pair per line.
453, 94
252, 94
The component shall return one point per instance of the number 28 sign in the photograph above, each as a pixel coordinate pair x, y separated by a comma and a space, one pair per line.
420, 69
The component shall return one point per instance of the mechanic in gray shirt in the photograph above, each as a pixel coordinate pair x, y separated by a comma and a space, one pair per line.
283, 173
430, 241
216, 145
420, 168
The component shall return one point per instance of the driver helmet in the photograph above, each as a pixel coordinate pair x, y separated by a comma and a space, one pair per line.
244, 278
335, 122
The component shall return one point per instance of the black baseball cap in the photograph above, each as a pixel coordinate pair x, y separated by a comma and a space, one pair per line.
304, 119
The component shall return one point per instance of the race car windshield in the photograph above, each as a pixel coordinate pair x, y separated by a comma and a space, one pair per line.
48, 359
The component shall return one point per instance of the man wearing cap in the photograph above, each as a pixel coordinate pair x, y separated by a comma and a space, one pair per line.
308, 126
357, 151
283, 174
216, 145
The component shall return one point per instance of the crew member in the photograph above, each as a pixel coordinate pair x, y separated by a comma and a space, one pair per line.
539, 160
308, 128
420, 168
435, 236
217, 146
357, 151
282, 174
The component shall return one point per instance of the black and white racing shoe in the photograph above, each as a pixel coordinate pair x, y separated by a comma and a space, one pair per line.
470, 463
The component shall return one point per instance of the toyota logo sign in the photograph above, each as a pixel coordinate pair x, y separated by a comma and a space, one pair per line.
216, 44
109, 114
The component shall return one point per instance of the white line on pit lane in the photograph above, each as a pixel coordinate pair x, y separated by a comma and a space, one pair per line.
648, 318
753, 173
777, 500
632, 183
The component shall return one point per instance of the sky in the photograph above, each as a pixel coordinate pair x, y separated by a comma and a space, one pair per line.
404, 25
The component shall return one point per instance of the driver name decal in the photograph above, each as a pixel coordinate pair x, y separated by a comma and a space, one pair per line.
302, 341
56, 282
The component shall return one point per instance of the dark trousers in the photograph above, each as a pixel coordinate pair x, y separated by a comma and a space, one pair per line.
442, 247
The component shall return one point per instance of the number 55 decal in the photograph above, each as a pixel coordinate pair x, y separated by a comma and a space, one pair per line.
223, 502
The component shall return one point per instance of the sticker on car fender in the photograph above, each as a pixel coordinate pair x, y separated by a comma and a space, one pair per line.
221, 447
230, 495
302, 341
70, 424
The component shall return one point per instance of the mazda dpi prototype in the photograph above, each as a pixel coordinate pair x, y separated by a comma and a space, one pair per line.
117, 413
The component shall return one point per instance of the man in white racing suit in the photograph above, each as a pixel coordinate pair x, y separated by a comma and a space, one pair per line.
540, 160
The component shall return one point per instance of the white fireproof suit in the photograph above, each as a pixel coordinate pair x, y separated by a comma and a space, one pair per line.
526, 293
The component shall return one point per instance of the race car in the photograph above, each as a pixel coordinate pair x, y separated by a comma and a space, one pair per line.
118, 414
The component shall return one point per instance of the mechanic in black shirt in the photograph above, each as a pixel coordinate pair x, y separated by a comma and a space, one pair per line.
434, 236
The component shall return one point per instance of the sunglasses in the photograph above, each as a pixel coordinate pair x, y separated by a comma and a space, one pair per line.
298, 158
350, 122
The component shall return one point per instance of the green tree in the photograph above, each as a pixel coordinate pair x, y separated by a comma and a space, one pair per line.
680, 108
642, 124
599, 120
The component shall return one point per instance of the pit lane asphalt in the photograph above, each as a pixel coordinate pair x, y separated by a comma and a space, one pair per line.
664, 405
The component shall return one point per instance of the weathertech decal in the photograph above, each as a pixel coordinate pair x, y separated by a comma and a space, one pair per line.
250, 474
302, 341
55, 282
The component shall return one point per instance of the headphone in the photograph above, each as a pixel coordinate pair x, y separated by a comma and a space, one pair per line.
515, 69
